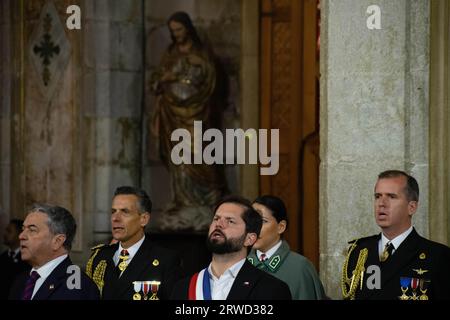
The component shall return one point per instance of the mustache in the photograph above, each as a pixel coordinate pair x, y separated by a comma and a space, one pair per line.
218, 231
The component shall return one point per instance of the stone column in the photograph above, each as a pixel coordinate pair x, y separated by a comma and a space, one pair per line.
374, 117
112, 107
5, 120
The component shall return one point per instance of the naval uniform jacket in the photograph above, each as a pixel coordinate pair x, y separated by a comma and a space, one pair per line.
294, 269
419, 268
151, 264
249, 284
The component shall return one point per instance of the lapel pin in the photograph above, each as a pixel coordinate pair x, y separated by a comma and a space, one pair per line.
246, 283
156, 262
51, 287
422, 256
420, 271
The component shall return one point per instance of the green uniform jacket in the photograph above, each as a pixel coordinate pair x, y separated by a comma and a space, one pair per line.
294, 269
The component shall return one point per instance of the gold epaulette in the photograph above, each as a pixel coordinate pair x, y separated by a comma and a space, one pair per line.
98, 246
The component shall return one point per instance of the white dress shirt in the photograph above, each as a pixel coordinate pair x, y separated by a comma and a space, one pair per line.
396, 242
131, 251
45, 271
220, 287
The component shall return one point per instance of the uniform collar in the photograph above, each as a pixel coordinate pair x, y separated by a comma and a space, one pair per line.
269, 252
275, 261
397, 241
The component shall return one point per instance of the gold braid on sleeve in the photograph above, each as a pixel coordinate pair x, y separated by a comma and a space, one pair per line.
357, 274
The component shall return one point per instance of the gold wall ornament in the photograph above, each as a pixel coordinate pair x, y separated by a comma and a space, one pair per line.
349, 285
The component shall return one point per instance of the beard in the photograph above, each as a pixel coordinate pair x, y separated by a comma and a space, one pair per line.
228, 245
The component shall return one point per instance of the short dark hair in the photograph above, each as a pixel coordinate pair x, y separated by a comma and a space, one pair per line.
184, 18
252, 219
275, 205
60, 221
17, 223
145, 204
412, 187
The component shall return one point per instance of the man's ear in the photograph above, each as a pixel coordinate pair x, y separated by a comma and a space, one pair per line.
412, 207
250, 239
58, 241
145, 218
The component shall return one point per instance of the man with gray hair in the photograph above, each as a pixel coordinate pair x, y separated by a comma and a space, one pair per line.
45, 243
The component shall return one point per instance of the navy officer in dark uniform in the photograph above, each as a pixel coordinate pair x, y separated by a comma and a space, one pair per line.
408, 266
45, 243
133, 268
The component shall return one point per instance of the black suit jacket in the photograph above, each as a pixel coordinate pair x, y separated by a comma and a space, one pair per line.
250, 284
416, 258
55, 286
10, 270
151, 263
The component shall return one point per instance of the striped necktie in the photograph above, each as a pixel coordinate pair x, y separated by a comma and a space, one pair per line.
29, 285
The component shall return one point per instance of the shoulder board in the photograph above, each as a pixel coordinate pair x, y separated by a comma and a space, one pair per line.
362, 239
99, 246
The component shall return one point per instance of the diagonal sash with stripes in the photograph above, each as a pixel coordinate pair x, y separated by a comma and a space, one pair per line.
199, 286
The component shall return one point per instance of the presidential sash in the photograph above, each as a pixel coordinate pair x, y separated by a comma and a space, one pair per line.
199, 286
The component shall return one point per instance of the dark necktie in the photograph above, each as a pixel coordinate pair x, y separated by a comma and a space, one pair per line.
122, 265
29, 285
387, 252
262, 257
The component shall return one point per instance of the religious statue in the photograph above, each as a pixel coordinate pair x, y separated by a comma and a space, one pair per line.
186, 89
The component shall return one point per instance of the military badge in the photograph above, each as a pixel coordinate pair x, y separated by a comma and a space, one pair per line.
423, 289
420, 271
404, 286
137, 286
154, 287
274, 262
414, 286
146, 287
123, 264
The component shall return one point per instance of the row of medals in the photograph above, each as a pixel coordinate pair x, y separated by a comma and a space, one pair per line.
414, 283
146, 287
143, 286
